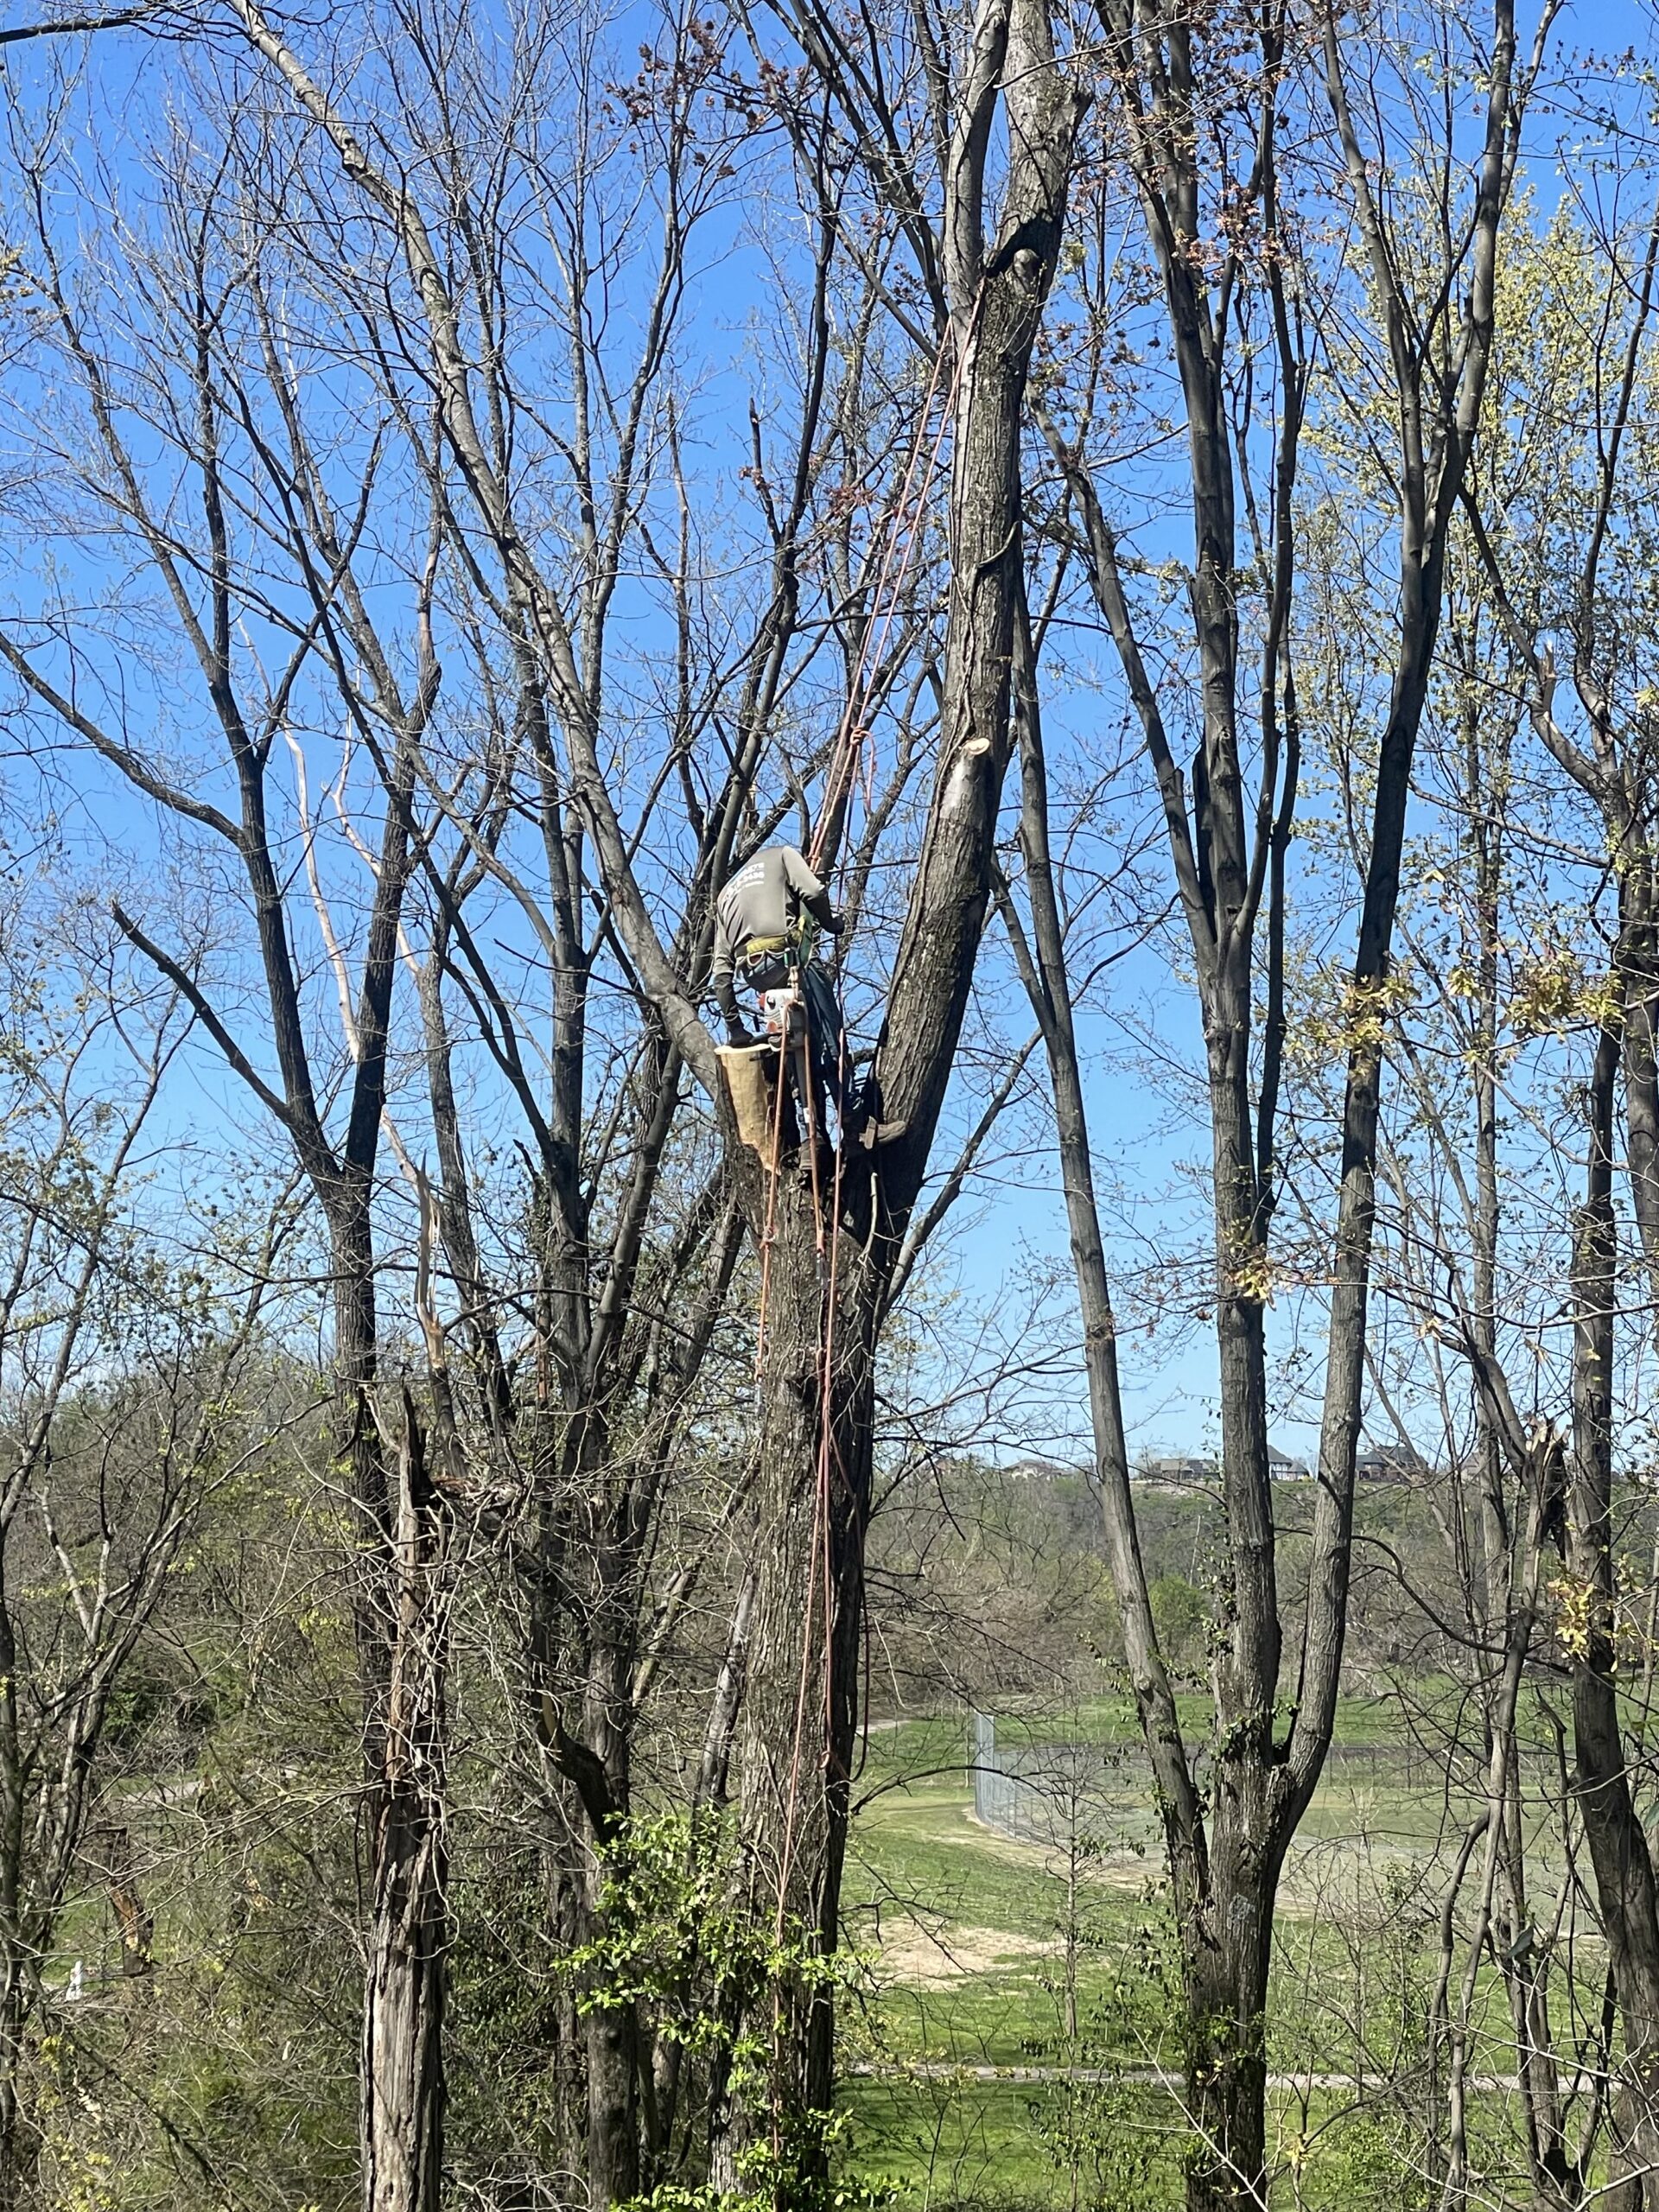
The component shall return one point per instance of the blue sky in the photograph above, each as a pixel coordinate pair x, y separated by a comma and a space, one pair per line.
1012, 1226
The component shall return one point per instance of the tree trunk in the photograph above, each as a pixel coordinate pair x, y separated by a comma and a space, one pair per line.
400, 1603
611, 2030
16, 2151
1224, 1959
1223, 1885
1613, 1831
409, 1925
800, 1713
828, 1284
402, 2069
562, 2034
19, 2140
1042, 966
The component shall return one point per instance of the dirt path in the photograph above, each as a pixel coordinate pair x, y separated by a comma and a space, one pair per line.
1145, 2077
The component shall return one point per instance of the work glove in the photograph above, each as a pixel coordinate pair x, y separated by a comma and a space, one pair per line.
835, 926
740, 1039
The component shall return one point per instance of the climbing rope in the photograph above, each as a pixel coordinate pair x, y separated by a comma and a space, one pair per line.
769, 1233
851, 733
848, 754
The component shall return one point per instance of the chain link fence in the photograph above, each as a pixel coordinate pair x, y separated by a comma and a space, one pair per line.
1037, 1790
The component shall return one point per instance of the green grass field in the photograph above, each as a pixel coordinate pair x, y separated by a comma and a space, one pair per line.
987, 1962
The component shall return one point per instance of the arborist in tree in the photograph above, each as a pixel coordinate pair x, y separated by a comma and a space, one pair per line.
763, 930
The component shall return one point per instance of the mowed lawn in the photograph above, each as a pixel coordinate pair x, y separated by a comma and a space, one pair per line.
1015, 2002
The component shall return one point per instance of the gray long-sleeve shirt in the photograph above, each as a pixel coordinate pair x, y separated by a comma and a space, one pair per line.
764, 898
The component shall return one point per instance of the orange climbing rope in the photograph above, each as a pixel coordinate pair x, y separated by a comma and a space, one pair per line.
850, 735
770, 1232
851, 732
847, 756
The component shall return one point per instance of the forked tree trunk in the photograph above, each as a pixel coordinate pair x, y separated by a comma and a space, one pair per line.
1228, 852
829, 1284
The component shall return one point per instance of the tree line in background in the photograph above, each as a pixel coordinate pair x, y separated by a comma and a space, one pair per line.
1157, 497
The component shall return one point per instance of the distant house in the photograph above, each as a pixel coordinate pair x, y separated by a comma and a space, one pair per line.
1176, 1471
1389, 1462
1039, 1471
1181, 1470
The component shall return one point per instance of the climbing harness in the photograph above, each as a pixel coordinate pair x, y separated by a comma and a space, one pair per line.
783, 1006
